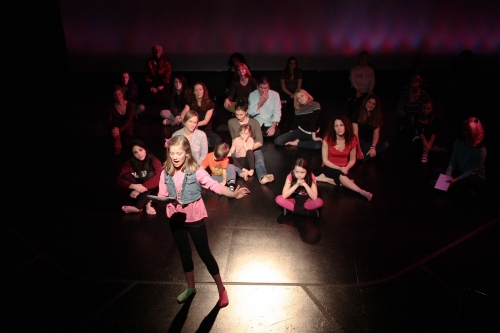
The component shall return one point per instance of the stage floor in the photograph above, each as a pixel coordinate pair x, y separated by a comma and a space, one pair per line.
412, 260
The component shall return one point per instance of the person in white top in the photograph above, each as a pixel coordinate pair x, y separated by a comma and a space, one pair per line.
265, 107
362, 79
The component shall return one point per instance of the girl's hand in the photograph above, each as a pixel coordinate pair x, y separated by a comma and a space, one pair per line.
138, 187
372, 152
300, 182
240, 192
452, 181
134, 194
344, 170
177, 120
227, 103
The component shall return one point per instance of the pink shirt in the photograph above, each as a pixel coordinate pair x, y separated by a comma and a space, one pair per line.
196, 210
239, 149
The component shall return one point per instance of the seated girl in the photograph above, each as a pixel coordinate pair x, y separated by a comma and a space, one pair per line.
366, 123
121, 120
242, 148
300, 193
427, 127
409, 105
141, 175
180, 97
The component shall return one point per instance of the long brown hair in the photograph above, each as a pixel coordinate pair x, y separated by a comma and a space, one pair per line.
189, 164
332, 135
375, 118
303, 164
205, 99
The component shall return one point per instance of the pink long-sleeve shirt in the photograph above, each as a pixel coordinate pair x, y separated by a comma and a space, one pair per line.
196, 210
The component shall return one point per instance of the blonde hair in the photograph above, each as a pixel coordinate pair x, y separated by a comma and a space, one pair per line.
189, 164
190, 114
296, 103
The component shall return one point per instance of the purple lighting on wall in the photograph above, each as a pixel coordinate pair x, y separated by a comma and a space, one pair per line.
280, 28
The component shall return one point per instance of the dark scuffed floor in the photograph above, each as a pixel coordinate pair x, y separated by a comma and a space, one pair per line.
412, 260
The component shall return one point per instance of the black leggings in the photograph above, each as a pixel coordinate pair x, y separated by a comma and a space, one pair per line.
198, 232
247, 162
332, 173
142, 198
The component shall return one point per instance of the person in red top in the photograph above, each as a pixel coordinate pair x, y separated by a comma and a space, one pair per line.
339, 155
141, 175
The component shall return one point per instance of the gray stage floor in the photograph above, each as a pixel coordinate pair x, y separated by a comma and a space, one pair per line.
412, 260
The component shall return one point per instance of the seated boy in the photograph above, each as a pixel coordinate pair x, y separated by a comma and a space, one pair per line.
220, 166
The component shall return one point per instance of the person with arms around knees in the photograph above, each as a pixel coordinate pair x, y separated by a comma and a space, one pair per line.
300, 193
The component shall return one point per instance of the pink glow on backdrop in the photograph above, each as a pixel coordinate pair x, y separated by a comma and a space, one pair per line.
292, 27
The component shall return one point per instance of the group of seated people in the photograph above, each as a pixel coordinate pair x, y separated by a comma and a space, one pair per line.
257, 113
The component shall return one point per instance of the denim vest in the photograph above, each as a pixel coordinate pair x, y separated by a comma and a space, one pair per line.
191, 189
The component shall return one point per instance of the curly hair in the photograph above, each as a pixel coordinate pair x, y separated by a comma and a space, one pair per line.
331, 135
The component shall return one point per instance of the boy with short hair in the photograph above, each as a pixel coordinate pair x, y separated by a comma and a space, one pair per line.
220, 166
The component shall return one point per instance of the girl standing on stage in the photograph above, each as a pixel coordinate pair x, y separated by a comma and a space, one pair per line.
182, 180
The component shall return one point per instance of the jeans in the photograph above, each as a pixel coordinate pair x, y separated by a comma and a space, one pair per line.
230, 172
260, 167
306, 140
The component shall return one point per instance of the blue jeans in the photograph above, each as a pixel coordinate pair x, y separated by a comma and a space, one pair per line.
230, 172
260, 167
306, 140
379, 148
